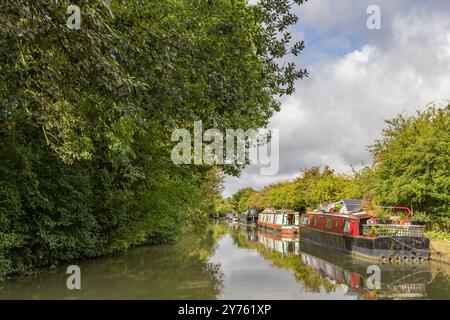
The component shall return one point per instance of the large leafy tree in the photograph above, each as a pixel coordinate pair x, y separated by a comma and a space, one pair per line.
412, 163
86, 115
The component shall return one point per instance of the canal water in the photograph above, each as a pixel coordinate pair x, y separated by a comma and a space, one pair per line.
226, 261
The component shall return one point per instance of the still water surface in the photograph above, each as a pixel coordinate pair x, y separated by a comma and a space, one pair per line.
231, 262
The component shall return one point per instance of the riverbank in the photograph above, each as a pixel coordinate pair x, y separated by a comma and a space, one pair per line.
440, 250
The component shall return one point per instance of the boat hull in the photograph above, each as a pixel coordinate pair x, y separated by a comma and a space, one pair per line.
278, 229
383, 247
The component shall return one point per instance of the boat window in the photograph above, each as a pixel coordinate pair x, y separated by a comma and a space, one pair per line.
280, 218
290, 218
346, 227
329, 223
337, 223
315, 221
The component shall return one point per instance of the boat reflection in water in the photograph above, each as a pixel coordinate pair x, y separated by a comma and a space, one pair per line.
355, 275
396, 280
250, 231
285, 244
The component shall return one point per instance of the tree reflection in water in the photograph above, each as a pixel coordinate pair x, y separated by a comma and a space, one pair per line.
286, 259
322, 269
171, 271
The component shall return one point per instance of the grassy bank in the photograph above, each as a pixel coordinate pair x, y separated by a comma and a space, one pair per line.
439, 246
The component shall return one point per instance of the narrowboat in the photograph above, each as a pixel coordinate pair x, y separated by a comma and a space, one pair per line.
284, 221
346, 226
250, 217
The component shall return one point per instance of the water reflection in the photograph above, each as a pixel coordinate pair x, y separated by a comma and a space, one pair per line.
233, 262
398, 280
171, 271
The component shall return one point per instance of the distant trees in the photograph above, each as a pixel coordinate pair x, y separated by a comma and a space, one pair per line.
313, 187
239, 200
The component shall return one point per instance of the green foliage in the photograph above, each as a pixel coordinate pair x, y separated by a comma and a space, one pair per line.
86, 116
313, 187
412, 163
223, 206
382, 214
438, 235
239, 200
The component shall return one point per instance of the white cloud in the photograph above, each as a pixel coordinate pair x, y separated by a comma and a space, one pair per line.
340, 109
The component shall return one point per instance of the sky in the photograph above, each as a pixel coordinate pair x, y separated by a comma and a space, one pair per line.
358, 78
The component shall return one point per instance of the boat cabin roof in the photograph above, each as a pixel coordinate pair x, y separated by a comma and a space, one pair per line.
350, 215
273, 211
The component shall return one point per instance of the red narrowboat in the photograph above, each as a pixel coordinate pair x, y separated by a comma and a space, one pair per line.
352, 229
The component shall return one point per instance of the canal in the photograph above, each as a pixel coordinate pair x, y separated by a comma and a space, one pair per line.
226, 261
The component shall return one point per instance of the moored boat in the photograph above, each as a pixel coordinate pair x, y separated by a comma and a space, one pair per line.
284, 221
249, 217
353, 229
